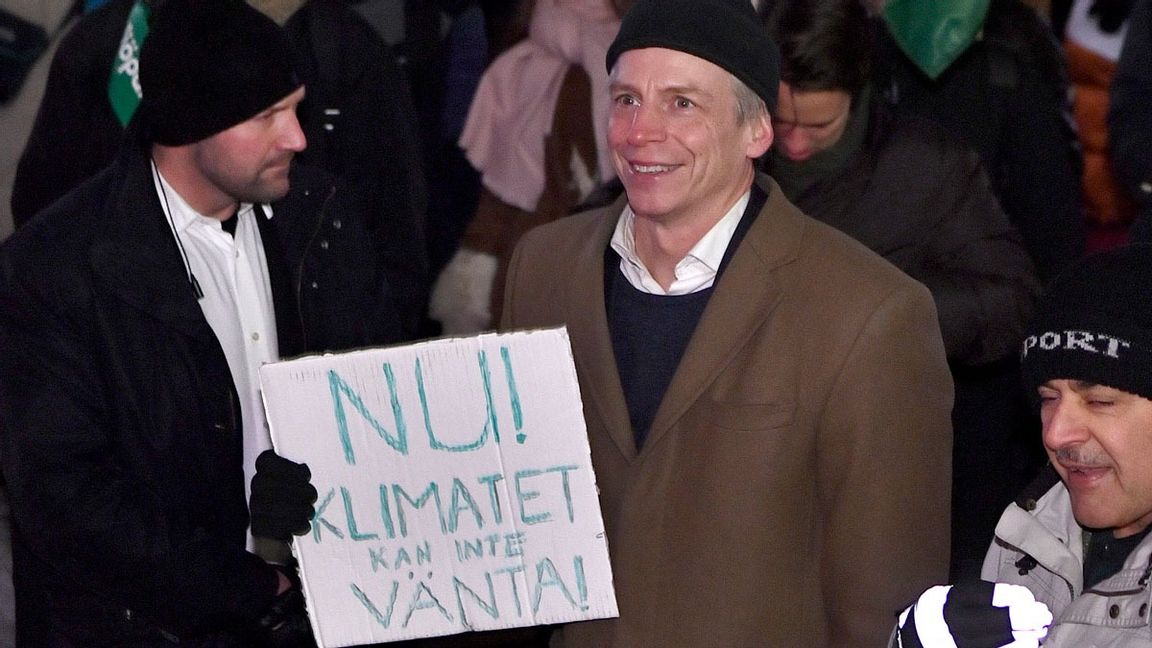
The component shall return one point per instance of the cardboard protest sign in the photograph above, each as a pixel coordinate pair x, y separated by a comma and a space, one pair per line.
456, 487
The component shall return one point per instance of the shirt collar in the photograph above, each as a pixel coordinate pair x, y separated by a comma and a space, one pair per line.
183, 215
696, 271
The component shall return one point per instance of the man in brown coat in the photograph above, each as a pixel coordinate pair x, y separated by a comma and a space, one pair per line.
767, 401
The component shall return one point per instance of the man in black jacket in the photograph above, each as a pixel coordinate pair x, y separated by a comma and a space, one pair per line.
134, 315
358, 117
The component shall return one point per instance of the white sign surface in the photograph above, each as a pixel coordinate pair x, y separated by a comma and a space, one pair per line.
456, 487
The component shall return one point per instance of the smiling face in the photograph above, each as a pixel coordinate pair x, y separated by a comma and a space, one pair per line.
676, 142
1100, 441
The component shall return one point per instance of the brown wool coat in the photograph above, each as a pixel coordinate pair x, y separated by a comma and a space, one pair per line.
794, 487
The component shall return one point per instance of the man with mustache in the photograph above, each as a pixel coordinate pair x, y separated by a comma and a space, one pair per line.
134, 315
1077, 538
767, 400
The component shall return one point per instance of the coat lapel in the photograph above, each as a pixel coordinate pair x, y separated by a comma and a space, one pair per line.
587, 321
137, 258
740, 304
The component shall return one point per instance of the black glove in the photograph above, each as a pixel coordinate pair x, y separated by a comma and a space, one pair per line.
286, 624
974, 614
282, 498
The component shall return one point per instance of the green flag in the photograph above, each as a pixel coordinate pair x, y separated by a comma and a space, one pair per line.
934, 33
124, 85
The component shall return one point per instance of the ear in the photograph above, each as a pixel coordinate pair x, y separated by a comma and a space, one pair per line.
761, 138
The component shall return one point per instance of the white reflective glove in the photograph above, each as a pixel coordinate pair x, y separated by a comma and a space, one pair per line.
974, 614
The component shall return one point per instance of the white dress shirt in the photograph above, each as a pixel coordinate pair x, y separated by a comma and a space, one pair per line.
233, 275
696, 271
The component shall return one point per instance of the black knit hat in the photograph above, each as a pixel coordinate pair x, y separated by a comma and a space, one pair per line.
725, 32
207, 65
1094, 323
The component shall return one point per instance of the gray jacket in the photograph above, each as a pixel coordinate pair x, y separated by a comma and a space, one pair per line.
1038, 544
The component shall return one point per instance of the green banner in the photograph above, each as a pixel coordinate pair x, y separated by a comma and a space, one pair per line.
124, 85
934, 33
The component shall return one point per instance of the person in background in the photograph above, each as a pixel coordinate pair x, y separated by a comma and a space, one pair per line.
767, 400
1071, 557
1130, 117
920, 198
990, 72
532, 132
1093, 33
135, 313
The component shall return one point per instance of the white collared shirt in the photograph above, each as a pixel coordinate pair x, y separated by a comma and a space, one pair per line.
233, 274
696, 271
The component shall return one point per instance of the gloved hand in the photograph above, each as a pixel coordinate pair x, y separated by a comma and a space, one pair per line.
281, 504
974, 614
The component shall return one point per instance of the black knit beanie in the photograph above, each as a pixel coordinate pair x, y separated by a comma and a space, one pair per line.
1094, 323
725, 32
207, 65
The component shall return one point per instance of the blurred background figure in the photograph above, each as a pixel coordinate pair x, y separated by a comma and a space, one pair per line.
444, 46
919, 197
532, 134
1092, 33
31, 30
1130, 116
991, 72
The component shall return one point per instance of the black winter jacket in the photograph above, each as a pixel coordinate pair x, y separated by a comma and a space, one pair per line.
1006, 97
920, 199
120, 435
358, 117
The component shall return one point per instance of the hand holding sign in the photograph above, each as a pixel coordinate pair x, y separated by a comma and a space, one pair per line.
283, 498
456, 487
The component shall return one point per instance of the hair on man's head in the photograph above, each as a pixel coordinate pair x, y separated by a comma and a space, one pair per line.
824, 44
